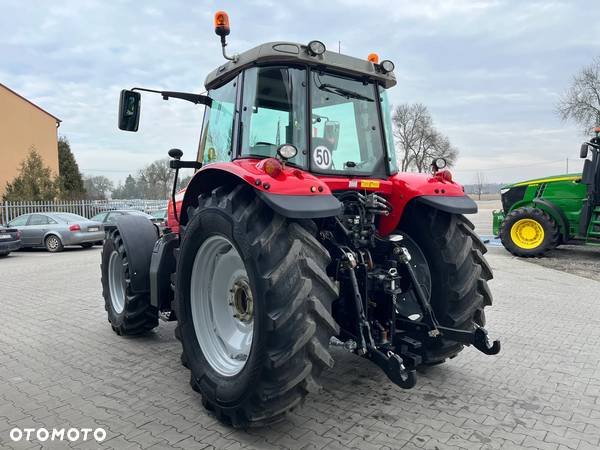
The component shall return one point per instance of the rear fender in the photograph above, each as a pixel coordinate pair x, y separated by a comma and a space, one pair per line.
427, 189
294, 193
139, 236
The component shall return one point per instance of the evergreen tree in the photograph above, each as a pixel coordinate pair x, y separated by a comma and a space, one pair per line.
70, 179
127, 190
34, 182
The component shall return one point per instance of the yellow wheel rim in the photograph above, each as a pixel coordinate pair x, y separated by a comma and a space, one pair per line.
527, 233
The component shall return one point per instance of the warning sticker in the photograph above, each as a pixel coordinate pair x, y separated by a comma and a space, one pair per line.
369, 183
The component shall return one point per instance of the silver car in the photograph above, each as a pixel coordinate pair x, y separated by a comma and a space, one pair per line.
54, 231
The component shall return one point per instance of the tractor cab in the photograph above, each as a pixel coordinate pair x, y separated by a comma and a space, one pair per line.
589, 223
331, 108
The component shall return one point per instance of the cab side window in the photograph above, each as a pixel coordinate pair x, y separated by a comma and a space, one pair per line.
217, 134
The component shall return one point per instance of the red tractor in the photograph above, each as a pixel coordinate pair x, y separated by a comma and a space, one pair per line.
298, 232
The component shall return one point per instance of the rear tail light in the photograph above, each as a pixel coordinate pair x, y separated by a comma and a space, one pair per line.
75, 227
444, 174
18, 235
271, 166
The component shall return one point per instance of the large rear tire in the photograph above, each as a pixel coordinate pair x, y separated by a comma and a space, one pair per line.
129, 313
276, 266
459, 274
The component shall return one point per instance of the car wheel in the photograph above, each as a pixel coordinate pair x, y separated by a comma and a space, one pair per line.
88, 245
54, 244
2, 255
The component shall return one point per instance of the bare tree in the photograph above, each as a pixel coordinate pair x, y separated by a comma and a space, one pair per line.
157, 179
418, 142
480, 182
97, 187
581, 102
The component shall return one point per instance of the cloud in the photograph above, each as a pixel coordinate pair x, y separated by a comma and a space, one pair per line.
490, 71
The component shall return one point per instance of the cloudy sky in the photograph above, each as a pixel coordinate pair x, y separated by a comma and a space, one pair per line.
490, 72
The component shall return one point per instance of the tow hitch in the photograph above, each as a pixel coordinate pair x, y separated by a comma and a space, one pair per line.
478, 337
394, 368
400, 356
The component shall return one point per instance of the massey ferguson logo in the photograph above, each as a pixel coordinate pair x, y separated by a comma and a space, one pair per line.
58, 434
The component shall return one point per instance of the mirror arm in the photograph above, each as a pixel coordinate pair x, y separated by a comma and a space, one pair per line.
194, 98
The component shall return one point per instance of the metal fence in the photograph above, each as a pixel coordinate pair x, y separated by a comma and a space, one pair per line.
86, 208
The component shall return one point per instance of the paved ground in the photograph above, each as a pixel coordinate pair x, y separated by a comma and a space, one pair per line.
62, 366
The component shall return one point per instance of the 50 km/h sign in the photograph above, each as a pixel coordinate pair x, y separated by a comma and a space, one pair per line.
322, 157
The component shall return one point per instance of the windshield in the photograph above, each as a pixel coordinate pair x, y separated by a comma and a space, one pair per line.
345, 132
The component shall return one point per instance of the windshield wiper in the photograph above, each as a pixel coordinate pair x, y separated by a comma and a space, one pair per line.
343, 92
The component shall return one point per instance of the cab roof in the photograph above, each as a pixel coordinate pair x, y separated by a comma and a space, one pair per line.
293, 53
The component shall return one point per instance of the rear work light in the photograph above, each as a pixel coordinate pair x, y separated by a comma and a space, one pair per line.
75, 227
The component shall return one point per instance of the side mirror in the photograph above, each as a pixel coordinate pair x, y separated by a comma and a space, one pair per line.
331, 133
129, 110
583, 152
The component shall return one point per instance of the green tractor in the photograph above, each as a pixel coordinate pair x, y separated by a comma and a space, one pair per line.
538, 215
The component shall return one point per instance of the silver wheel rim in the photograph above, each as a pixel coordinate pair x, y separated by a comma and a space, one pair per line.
52, 243
116, 282
222, 305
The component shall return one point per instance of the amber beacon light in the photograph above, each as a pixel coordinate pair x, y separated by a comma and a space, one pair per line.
222, 23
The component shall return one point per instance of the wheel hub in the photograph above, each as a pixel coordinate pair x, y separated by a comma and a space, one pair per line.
116, 282
53, 243
241, 300
527, 233
222, 305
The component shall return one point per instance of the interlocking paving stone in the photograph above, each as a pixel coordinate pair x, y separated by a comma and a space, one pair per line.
62, 366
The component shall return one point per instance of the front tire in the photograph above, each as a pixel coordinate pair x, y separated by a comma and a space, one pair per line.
128, 313
529, 232
281, 266
459, 274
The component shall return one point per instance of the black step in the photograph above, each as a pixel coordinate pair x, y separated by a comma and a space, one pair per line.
411, 360
411, 343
